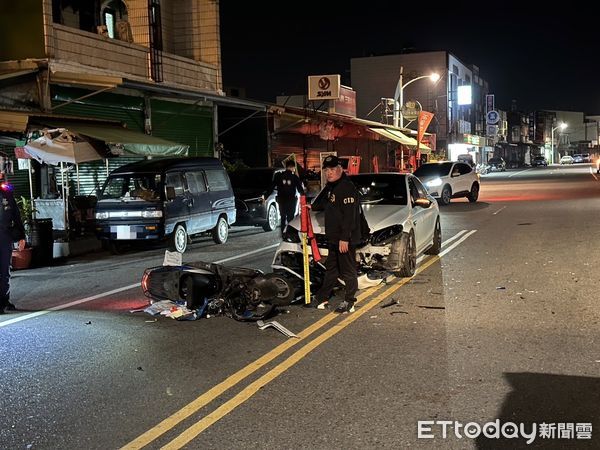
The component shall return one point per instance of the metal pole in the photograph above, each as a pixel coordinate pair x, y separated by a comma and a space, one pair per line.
31, 188
552, 145
77, 169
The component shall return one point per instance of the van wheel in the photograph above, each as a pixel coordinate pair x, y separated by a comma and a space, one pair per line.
272, 219
220, 231
179, 239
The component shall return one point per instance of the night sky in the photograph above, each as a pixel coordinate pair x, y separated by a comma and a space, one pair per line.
542, 56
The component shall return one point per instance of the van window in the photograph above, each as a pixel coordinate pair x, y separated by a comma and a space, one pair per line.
217, 180
195, 182
174, 180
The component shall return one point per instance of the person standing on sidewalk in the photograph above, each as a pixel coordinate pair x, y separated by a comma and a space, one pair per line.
343, 231
287, 184
11, 231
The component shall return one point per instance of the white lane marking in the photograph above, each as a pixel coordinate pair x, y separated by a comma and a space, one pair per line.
498, 211
593, 174
520, 172
114, 291
446, 242
456, 236
457, 243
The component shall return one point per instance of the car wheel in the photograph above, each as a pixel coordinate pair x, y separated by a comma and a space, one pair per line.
179, 239
285, 289
474, 194
408, 255
436, 248
446, 195
221, 231
272, 218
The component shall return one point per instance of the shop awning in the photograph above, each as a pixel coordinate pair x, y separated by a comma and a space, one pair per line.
398, 136
132, 142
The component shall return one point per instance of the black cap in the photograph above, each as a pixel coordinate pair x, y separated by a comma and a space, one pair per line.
331, 161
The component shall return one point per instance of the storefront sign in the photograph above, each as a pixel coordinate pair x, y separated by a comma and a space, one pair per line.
346, 104
323, 87
411, 110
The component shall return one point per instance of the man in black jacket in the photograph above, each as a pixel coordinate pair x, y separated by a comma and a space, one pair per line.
11, 230
287, 184
340, 200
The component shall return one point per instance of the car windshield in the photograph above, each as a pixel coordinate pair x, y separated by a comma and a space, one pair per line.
378, 189
539, 158
495, 160
251, 179
433, 170
132, 187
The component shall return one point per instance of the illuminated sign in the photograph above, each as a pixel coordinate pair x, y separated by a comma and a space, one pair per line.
464, 95
323, 87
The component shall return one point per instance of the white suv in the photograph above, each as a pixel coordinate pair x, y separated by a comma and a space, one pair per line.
449, 179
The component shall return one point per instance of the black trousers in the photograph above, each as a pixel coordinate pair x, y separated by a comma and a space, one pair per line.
287, 211
6, 246
339, 265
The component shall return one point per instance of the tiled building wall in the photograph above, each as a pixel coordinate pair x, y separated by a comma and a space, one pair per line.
190, 38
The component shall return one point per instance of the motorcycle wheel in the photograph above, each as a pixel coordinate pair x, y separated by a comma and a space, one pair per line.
285, 289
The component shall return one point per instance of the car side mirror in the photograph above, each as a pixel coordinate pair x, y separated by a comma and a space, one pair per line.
170, 193
423, 202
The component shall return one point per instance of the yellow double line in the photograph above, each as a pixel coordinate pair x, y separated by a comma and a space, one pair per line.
220, 412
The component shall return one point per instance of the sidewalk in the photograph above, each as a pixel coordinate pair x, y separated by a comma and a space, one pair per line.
77, 245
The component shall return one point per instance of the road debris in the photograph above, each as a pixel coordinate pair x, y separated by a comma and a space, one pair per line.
274, 324
398, 312
499, 288
389, 303
431, 307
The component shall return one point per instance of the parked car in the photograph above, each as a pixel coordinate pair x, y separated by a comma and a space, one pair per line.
249, 186
496, 164
567, 159
404, 221
577, 158
538, 161
170, 198
449, 179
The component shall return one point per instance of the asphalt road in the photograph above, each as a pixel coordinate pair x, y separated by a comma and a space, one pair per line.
502, 327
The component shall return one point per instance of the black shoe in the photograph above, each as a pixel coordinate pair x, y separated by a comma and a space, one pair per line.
10, 307
345, 307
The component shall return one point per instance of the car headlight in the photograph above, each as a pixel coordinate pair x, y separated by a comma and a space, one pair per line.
385, 235
152, 214
434, 183
291, 235
101, 215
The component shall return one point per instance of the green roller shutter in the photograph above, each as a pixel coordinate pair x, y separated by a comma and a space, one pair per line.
184, 123
123, 108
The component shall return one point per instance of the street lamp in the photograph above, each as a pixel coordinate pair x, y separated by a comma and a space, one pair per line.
562, 126
399, 95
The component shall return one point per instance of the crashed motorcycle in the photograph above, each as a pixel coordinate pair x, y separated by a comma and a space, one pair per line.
214, 289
